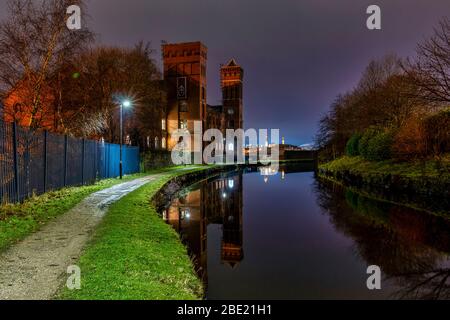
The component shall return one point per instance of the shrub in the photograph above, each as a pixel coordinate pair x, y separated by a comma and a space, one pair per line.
437, 127
411, 141
352, 147
155, 159
380, 147
364, 141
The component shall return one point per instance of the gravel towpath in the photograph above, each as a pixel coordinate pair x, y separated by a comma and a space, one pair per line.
35, 268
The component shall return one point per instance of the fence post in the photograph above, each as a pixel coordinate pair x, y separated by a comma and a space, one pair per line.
83, 144
45, 160
107, 160
65, 159
16, 164
95, 159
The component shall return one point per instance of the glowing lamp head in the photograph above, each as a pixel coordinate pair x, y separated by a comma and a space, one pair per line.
126, 103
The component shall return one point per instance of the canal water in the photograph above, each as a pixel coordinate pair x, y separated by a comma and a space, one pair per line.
294, 236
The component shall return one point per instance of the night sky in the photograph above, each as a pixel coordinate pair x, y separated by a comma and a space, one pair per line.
297, 54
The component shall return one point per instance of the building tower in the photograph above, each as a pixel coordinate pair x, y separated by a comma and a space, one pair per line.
231, 76
185, 78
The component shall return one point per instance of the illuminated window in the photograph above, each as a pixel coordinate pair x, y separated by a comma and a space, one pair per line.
183, 124
163, 143
148, 142
163, 124
156, 142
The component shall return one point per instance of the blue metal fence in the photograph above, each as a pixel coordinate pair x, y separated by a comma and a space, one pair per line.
40, 161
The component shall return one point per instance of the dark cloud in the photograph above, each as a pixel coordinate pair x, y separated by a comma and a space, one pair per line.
297, 54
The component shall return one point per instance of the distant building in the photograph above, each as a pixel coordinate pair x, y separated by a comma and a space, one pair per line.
231, 78
185, 78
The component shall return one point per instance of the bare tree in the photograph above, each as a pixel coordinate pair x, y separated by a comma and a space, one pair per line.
34, 45
431, 69
108, 75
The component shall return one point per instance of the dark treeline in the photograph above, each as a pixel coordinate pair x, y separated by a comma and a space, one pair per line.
399, 109
61, 80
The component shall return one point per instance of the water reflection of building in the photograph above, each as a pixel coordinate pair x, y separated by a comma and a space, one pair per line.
216, 202
232, 239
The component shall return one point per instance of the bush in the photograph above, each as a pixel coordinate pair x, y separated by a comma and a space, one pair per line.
437, 129
380, 147
155, 159
352, 147
410, 142
364, 141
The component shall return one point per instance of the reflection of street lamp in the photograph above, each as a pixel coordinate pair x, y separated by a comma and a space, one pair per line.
125, 104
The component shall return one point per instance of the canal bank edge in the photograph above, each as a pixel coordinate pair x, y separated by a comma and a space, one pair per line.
169, 190
134, 254
428, 191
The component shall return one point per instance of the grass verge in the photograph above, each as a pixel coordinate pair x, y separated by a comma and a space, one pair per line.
425, 184
135, 255
19, 220
412, 170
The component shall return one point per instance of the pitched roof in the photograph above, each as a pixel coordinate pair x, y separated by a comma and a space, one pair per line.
232, 63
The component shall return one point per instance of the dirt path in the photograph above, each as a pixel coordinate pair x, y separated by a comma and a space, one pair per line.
35, 267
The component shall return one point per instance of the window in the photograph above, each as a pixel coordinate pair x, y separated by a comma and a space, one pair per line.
183, 124
163, 124
230, 111
183, 106
148, 142
196, 68
163, 143
156, 142
187, 68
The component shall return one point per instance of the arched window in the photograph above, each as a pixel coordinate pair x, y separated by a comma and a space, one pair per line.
163, 143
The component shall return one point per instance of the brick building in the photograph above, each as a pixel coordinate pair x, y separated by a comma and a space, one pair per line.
185, 78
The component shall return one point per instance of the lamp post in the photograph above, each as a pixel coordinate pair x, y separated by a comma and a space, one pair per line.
125, 104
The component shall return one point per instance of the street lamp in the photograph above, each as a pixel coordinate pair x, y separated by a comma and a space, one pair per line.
125, 104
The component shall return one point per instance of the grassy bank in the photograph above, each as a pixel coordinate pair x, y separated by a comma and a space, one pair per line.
430, 177
135, 255
415, 169
19, 220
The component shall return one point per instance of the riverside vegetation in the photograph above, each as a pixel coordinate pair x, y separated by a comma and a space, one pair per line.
393, 130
